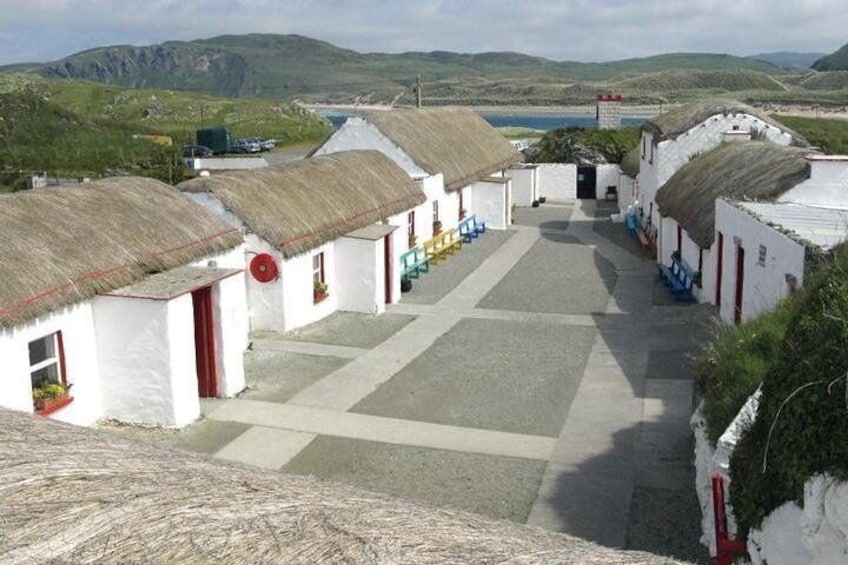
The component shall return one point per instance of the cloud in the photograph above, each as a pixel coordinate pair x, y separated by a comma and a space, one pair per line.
588, 30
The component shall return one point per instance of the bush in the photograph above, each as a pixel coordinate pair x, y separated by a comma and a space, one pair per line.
802, 421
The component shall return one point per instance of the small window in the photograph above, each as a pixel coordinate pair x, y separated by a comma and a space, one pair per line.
651, 160
435, 211
319, 284
761, 258
410, 228
643, 148
45, 360
736, 128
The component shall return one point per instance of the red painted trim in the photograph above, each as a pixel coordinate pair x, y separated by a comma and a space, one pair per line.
55, 406
387, 257
60, 342
204, 343
726, 547
104, 272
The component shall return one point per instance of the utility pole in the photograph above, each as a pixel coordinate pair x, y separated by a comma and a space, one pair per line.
418, 92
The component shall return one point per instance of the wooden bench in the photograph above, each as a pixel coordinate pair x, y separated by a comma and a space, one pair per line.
447, 242
413, 263
467, 228
679, 277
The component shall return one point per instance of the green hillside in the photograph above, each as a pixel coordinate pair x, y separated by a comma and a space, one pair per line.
294, 67
836, 61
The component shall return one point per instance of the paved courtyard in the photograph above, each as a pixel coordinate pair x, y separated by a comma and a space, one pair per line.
540, 376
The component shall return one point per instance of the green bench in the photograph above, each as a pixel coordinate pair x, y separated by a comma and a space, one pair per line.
413, 263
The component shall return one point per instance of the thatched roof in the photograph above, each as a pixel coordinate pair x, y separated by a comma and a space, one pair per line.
63, 245
298, 206
630, 163
77, 495
683, 118
738, 171
454, 141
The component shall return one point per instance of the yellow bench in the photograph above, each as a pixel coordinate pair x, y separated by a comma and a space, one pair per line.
447, 242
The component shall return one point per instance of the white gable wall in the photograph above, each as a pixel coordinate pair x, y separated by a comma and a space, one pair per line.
607, 175
297, 284
76, 323
493, 203
827, 186
764, 285
360, 266
525, 185
558, 181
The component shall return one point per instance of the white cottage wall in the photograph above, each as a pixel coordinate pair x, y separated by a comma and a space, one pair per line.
266, 300
558, 181
493, 203
359, 263
76, 322
525, 189
606, 177
827, 186
184, 403
297, 288
134, 346
231, 333
764, 282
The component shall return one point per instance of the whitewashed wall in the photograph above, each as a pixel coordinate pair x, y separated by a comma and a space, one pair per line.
764, 285
827, 185
147, 359
658, 163
558, 181
226, 163
493, 203
606, 175
627, 193
525, 185
360, 267
400, 245
297, 288
76, 322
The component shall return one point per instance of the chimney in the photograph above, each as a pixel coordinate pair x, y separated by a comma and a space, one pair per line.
828, 169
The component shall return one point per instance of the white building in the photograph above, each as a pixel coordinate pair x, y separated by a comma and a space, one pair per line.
446, 150
608, 111
753, 171
769, 248
321, 235
126, 292
669, 141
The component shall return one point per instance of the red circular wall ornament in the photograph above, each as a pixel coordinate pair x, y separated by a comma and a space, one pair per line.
263, 268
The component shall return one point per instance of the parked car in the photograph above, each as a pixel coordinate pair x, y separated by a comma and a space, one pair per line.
196, 151
264, 144
245, 146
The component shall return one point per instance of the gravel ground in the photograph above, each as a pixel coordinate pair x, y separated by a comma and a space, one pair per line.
522, 379
558, 275
443, 277
499, 487
352, 329
276, 376
615, 232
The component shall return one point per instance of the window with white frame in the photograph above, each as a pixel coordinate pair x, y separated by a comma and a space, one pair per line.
46, 364
319, 284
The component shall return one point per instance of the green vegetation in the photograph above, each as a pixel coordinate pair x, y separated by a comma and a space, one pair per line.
569, 145
831, 135
77, 128
733, 365
802, 420
836, 61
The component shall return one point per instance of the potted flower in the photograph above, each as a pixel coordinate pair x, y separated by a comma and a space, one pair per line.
319, 291
437, 227
462, 213
412, 240
49, 396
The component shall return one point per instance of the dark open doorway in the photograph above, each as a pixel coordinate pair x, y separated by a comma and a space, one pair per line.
586, 181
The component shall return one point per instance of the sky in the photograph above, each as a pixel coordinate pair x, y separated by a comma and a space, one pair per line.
574, 30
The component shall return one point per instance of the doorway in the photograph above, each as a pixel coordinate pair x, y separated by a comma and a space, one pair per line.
204, 343
740, 282
387, 261
586, 180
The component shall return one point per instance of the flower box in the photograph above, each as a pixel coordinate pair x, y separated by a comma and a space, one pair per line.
50, 397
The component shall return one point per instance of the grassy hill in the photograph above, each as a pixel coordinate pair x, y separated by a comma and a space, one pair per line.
789, 59
295, 67
836, 61
73, 127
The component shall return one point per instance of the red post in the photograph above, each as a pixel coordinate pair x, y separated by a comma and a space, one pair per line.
726, 548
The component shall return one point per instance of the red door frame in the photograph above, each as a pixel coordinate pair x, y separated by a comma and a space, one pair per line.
680, 241
204, 343
740, 282
719, 266
387, 260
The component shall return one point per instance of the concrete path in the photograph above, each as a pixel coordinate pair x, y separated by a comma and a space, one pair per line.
618, 472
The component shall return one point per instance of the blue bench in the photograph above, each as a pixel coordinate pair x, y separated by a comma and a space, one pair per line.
413, 263
470, 228
679, 277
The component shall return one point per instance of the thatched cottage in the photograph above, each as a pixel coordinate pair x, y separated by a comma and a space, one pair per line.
672, 139
110, 499
752, 171
770, 247
125, 291
447, 151
322, 234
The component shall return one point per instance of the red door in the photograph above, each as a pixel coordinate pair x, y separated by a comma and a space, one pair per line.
387, 260
719, 265
204, 343
740, 278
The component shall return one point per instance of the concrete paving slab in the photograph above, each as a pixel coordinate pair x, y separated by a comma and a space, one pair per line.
583, 320
524, 383
666, 522
307, 348
557, 275
268, 448
499, 487
279, 375
445, 276
351, 329
388, 430
545, 217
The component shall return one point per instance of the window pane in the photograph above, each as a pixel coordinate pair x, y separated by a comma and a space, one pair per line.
42, 349
316, 262
46, 374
